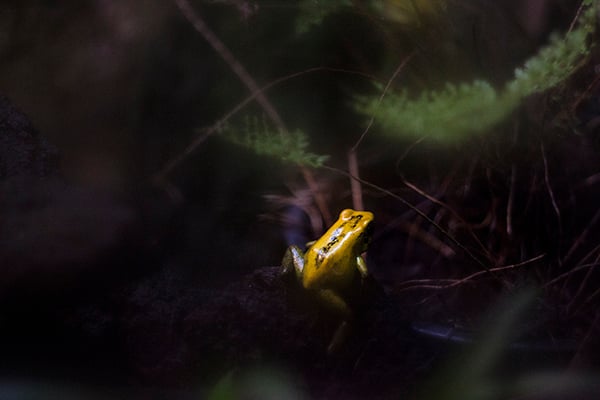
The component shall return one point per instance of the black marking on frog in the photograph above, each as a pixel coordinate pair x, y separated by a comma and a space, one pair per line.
354, 220
322, 253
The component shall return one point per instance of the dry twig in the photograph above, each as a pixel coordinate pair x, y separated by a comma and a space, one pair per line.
415, 209
355, 186
424, 283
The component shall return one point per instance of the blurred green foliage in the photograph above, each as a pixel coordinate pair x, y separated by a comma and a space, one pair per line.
467, 109
264, 140
255, 383
453, 113
448, 114
475, 372
557, 61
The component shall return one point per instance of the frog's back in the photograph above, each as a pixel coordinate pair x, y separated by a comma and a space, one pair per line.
331, 260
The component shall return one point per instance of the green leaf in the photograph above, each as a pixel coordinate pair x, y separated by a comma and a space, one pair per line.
290, 147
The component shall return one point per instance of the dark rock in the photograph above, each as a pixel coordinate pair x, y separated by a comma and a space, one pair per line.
51, 230
200, 335
22, 150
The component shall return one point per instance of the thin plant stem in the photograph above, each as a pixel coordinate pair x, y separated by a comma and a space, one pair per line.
415, 209
385, 90
425, 283
582, 237
449, 209
549, 188
357, 199
356, 189
161, 176
200, 25
567, 274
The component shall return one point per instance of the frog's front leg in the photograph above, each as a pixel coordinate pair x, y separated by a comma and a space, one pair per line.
293, 262
361, 265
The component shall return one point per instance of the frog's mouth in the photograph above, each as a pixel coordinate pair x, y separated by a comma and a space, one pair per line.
366, 236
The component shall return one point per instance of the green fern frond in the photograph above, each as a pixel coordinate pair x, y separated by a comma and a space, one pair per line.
286, 146
456, 112
451, 113
555, 62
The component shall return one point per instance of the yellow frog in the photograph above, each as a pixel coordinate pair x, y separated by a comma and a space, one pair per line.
330, 265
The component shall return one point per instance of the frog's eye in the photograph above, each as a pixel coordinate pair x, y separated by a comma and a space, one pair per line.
345, 214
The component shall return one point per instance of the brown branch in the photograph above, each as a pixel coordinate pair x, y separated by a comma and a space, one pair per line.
196, 20
457, 282
430, 240
161, 176
449, 209
589, 299
549, 188
583, 349
567, 274
511, 193
574, 21
582, 285
510, 201
582, 237
357, 199
415, 209
385, 90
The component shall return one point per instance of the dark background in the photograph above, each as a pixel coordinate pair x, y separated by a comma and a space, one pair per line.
99, 264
